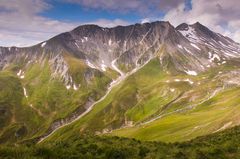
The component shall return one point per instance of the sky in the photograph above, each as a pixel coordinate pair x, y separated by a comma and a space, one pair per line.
28, 22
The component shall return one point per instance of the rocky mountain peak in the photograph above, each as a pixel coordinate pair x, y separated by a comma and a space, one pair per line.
131, 46
183, 26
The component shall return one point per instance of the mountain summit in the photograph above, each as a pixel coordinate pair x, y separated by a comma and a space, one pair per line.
132, 46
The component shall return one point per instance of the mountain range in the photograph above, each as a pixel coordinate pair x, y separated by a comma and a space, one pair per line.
149, 81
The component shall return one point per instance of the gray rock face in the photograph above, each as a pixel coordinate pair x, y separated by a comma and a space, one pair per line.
190, 48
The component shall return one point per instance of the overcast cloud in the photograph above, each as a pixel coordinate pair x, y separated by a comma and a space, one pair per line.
141, 6
21, 23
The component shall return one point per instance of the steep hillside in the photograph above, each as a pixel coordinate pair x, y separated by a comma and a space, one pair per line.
127, 80
54, 91
154, 105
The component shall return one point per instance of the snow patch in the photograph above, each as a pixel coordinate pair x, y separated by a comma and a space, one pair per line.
189, 81
90, 64
185, 80
172, 89
180, 46
187, 50
230, 55
125, 44
86, 38
193, 73
103, 66
190, 34
19, 72
43, 44
209, 55
235, 52
222, 43
68, 86
110, 42
215, 56
195, 46
76, 44
75, 87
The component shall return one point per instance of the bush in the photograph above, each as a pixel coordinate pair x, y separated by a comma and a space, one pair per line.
114, 153
143, 151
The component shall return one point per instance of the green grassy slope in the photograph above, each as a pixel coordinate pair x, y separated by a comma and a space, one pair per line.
189, 106
221, 111
17, 118
46, 98
220, 145
210, 105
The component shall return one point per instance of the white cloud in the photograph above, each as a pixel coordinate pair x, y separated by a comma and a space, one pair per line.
134, 6
109, 23
219, 15
21, 25
123, 5
145, 20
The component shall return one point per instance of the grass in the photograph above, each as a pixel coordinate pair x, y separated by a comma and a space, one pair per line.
206, 118
15, 114
147, 94
48, 99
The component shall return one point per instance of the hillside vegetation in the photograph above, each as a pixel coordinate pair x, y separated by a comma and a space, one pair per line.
32, 98
220, 145
159, 104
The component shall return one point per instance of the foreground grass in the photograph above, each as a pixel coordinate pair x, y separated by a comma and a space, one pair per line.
219, 145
